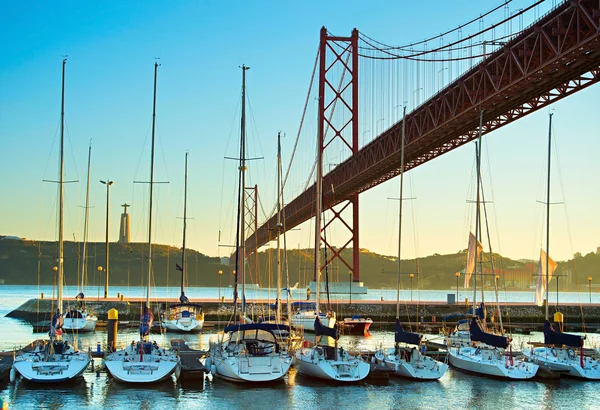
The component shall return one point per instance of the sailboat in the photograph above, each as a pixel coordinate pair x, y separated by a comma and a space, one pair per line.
80, 318
407, 361
145, 361
560, 351
247, 352
487, 354
184, 316
55, 360
324, 362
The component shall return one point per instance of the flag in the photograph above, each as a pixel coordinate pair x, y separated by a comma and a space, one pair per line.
540, 290
471, 258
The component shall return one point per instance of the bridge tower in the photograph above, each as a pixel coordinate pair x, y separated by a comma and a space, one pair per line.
338, 124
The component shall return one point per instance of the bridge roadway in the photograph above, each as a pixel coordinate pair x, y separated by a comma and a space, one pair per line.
555, 57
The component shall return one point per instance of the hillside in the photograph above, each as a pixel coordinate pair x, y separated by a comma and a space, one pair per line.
31, 262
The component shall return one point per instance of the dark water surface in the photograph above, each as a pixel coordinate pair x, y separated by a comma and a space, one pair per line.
455, 390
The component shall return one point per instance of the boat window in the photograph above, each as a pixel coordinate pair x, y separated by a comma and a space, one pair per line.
265, 335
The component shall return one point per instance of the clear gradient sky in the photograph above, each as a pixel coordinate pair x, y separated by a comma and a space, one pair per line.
111, 47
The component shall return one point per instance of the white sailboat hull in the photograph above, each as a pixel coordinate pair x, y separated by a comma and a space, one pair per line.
84, 324
306, 320
415, 366
490, 362
247, 368
564, 360
310, 361
33, 367
128, 366
181, 325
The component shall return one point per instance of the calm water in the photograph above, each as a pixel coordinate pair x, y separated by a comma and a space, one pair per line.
454, 390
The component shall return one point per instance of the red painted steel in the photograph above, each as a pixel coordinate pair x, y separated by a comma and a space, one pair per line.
555, 57
344, 55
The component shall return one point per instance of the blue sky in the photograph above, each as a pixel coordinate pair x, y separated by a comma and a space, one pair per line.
111, 47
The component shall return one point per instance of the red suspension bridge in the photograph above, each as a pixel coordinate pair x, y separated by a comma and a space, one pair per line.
558, 55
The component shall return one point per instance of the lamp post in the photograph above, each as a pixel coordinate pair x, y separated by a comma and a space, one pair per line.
108, 183
590, 288
457, 276
412, 275
220, 273
350, 281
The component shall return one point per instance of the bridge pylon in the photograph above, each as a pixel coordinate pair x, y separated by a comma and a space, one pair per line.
338, 128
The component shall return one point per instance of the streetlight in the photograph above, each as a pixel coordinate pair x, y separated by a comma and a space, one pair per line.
457, 276
350, 281
220, 273
412, 275
108, 183
590, 288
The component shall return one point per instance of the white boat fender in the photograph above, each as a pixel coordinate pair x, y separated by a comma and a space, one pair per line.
208, 363
177, 371
13, 374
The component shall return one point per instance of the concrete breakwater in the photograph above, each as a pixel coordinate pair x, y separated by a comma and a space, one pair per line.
37, 310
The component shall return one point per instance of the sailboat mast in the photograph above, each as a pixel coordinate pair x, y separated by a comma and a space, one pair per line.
62, 192
183, 266
85, 221
242, 169
400, 212
477, 215
279, 226
151, 191
548, 213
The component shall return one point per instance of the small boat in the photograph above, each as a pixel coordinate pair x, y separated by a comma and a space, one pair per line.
145, 361
357, 325
80, 318
329, 362
562, 352
305, 314
407, 361
324, 362
184, 316
55, 360
490, 355
247, 352
487, 354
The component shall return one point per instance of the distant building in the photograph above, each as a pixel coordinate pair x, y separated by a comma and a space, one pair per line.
124, 232
224, 261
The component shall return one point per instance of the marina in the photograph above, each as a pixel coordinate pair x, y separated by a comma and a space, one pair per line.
337, 271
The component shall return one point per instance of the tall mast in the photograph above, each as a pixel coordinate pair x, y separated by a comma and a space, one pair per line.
477, 214
279, 226
85, 221
242, 169
183, 266
400, 212
548, 213
62, 193
151, 191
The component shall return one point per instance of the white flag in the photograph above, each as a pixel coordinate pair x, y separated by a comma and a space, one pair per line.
540, 291
471, 257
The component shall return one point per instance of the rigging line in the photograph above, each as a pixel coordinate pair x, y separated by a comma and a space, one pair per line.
470, 37
440, 35
304, 111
